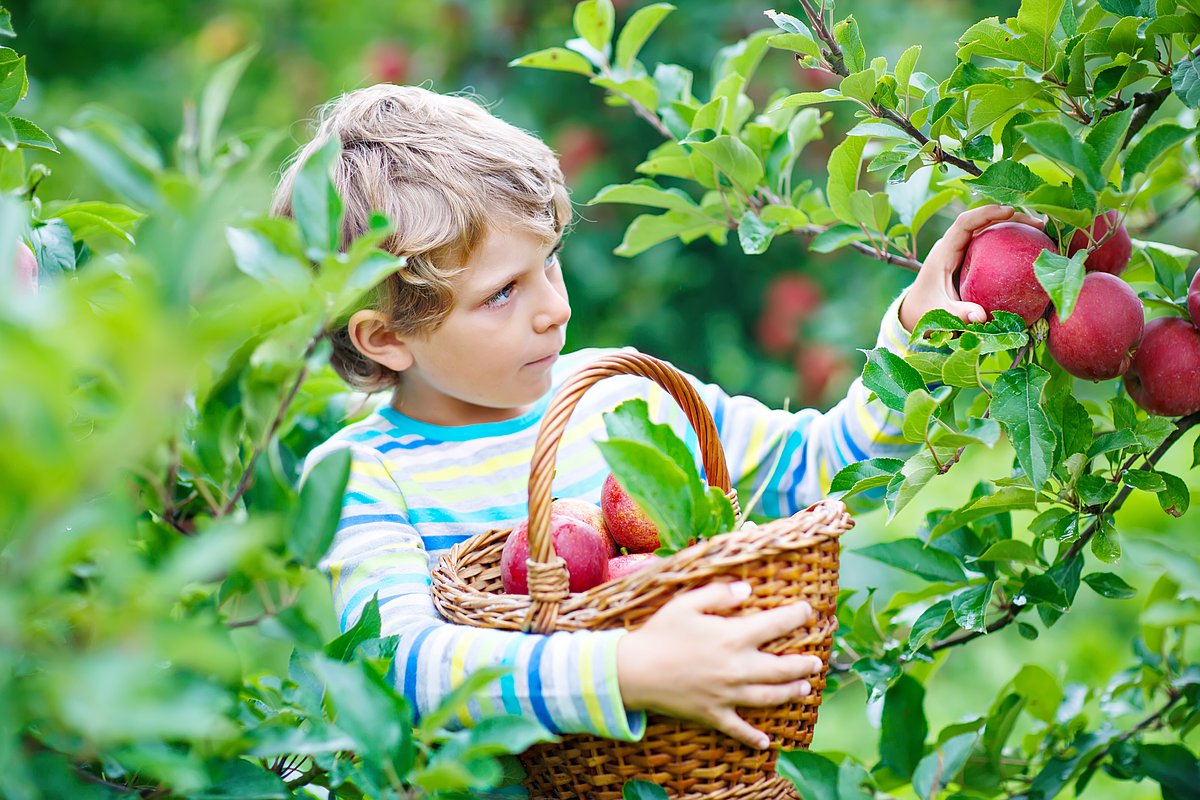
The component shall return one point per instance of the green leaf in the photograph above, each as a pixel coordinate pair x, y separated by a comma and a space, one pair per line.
890, 378
918, 408
30, 135
905, 66
54, 248
215, 100
1107, 584
732, 157
941, 767
978, 430
916, 472
1173, 765
1129, 8
835, 237
637, 30
970, 607
648, 230
930, 622
1062, 278
1009, 498
555, 58
1176, 497
754, 235
315, 201
1009, 550
1150, 147
903, 727
366, 627
1107, 135
658, 485
472, 684
936, 321
319, 508
1054, 141
962, 367
1017, 405
848, 38
642, 790
913, 556
844, 164
863, 475
13, 83
6, 28
859, 86
1038, 19
1006, 182
127, 176
645, 192
1185, 81
242, 780
594, 21
813, 775
993, 102
1106, 543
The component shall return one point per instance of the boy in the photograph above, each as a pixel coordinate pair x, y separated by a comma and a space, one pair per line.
468, 336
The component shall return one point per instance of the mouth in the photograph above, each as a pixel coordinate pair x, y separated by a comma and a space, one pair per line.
544, 361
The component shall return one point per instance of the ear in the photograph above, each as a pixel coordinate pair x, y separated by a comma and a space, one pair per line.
374, 338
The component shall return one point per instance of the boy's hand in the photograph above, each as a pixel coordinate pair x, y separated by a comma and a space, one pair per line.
692, 664
934, 286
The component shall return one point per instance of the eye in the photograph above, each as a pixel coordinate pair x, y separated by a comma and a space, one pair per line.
553, 257
500, 297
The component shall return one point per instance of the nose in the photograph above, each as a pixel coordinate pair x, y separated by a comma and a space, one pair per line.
553, 307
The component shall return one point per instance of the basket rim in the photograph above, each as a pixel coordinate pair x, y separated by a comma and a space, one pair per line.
746, 545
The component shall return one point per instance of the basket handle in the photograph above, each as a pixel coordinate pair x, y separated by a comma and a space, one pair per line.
548, 579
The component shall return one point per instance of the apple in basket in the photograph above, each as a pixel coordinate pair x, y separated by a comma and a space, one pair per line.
576, 542
627, 523
589, 513
620, 566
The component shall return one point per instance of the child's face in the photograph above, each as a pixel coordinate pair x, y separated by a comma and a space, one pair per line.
490, 359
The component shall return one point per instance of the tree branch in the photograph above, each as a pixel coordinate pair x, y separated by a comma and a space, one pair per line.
1153, 720
248, 472
862, 247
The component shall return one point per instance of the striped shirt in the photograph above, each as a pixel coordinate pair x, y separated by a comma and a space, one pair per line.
417, 489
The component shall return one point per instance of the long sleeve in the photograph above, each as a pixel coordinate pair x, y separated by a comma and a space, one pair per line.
567, 681
797, 453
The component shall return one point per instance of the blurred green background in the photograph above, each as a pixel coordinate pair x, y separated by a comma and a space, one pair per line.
783, 326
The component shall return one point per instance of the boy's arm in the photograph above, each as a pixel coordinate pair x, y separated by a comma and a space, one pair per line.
566, 681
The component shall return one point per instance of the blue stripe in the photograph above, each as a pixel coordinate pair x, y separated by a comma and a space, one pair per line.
360, 597
540, 710
359, 497
423, 516
414, 444
410, 672
858, 453
508, 681
435, 543
364, 519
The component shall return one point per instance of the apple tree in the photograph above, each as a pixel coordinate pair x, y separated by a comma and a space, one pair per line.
1083, 113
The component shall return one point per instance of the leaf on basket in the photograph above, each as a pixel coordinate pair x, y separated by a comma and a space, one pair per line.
659, 472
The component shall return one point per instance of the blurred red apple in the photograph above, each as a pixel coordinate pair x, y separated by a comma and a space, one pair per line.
1112, 256
388, 62
586, 512
26, 268
576, 542
627, 523
578, 147
818, 366
1164, 377
620, 566
1098, 339
788, 301
997, 270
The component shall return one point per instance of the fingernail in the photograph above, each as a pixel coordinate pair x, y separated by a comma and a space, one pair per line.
740, 590
763, 743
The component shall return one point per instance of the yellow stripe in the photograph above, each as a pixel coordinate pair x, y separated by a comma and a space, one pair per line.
873, 429
503, 460
458, 674
753, 457
587, 680
823, 475
516, 482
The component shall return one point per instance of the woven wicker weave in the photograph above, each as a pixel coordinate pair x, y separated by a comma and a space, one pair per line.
784, 561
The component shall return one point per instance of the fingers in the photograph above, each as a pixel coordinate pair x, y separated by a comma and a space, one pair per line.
764, 626
728, 722
770, 668
1036, 222
713, 597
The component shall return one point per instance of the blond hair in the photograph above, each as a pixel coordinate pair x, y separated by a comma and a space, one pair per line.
443, 170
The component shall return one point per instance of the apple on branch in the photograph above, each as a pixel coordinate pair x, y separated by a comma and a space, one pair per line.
997, 270
1097, 340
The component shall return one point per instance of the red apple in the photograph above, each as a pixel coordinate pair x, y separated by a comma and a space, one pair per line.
1098, 339
620, 566
388, 62
1193, 299
27, 269
578, 543
1112, 256
589, 513
997, 270
1164, 377
627, 523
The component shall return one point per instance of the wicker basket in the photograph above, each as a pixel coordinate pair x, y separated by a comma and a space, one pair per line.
784, 561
